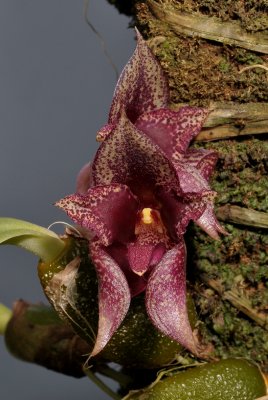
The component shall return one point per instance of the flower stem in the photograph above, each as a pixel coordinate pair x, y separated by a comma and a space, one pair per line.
5, 315
101, 384
122, 379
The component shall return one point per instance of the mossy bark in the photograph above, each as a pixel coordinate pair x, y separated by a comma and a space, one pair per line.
229, 66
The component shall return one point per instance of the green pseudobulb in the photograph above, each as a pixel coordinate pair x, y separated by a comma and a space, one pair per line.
70, 283
230, 379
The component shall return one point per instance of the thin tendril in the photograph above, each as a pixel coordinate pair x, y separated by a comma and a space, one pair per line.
252, 67
101, 40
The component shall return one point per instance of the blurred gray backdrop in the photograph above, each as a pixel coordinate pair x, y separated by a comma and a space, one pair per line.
55, 90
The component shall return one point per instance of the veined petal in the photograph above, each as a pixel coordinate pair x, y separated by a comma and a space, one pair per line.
114, 295
109, 211
172, 130
203, 160
142, 85
129, 157
166, 297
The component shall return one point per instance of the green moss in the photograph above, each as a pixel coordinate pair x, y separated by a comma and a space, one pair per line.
241, 173
251, 14
224, 66
238, 262
230, 333
243, 56
201, 70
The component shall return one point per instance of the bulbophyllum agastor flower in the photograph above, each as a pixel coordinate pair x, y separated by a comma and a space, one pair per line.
137, 197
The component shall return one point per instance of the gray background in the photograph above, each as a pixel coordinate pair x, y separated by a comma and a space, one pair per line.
55, 90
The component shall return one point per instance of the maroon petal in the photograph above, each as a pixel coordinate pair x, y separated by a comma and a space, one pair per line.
114, 295
104, 132
136, 283
166, 298
142, 256
208, 222
203, 160
84, 179
198, 199
109, 211
189, 211
139, 257
191, 180
177, 212
129, 157
172, 130
142, 85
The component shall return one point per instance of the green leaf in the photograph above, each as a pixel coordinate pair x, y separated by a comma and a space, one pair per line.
36, 239
5, 315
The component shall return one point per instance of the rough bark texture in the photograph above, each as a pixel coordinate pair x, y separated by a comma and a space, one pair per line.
228, 278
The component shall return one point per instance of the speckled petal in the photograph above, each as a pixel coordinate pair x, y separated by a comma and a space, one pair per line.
173, 130
109, 211
191, 181
203, 160
129, 157
114, 295
166, 297
142, 85
189, 211
197, 201
104, 132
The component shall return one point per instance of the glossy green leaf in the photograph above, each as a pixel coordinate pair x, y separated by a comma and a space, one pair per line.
229, 379
38, 240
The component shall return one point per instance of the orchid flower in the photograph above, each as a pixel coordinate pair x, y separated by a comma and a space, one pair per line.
137, 197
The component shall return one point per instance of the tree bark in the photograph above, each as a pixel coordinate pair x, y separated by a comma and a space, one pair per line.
215, 54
